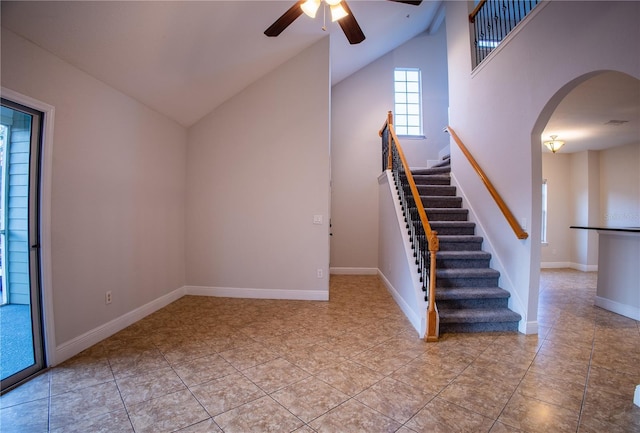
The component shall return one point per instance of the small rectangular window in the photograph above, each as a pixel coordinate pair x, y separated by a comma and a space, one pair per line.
543, 234
408, 101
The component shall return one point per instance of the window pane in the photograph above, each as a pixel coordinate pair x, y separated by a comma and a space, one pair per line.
401, 98
413, 130
401, 87
401, 120
413, 109
413, 75
413, 98
413, 120
401, 109
401, 130
400, 75
413, 87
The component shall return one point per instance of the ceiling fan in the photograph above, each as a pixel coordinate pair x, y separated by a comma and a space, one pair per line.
345, 17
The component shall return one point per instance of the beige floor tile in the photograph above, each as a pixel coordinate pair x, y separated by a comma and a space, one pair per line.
354, 417
314, 358
533, 415
136, 389
249, 356
394, 399
612, 408
206, 426
30, 417
274, 375
167, 413
35, 389
440, 416
309, 398
220, 395
204, 369
349, 377
483, 396
552, 390
261, 416
73, 407
116, 421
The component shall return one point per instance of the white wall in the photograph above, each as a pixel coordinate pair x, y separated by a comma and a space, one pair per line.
500, 110
359, 107
620, 186
555, 168
258, 172
118, 192
591, 189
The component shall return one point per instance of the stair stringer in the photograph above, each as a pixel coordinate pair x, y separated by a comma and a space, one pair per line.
515, 301
396, 264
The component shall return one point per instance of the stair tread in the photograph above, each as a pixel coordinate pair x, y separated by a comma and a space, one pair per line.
466, 272
471, 293
472, 254
477, 315
459, 238
435, 170
442, 223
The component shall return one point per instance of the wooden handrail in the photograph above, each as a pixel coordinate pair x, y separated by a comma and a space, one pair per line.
472, 15
433, 320
521, 234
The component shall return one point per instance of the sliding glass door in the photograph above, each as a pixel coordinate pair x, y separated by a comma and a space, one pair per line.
21, 342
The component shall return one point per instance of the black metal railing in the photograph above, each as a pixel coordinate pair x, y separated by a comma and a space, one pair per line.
492, 21
414, 226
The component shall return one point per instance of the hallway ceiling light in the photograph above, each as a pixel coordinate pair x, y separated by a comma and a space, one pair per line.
554, 145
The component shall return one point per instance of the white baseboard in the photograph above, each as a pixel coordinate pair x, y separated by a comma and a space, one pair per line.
353, 271
528, 328
234, 292
618, 308
72, 347
570, 265
419, 323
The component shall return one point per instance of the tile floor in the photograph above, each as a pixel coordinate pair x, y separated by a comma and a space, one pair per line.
353, 364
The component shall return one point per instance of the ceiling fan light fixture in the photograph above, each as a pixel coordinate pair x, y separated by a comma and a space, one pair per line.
337, 12
310, 7
554, 145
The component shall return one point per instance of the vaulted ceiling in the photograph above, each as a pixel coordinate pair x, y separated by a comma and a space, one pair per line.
184, 58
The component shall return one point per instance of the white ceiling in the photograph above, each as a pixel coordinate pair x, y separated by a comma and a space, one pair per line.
184, 58
583, 118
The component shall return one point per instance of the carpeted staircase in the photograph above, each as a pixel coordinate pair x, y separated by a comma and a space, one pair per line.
467, 293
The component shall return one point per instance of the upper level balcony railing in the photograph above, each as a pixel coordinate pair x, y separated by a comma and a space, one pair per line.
492, 20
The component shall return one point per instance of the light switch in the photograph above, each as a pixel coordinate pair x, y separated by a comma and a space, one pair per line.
317, 219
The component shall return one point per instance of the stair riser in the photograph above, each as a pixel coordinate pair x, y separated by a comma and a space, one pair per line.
462, 263
437, 190
452, 282
441, 202
432, 180
452, 215
460, 246
473, 303
478, 327
456, 231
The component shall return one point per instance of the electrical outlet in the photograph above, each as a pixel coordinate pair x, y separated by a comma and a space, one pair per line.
107, 297
319, 273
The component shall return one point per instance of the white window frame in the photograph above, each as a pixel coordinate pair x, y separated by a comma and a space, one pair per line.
407, 91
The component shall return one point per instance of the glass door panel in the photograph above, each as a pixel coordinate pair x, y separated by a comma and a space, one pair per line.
21, 345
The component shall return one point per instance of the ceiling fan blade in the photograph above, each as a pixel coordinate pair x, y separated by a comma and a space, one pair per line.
409, 2
350, 26
285, 20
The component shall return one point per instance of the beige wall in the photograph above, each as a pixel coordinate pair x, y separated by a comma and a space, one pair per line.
359, 107
118, 192
589, 188
258, 172
500, 109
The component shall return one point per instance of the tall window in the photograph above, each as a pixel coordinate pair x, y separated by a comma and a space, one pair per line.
544, 212
408, 101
